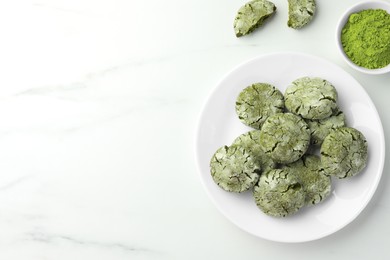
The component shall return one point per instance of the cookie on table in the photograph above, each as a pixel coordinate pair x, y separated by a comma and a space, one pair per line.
300, 12
257, 102
311, 98
252, 15
344, 152
319, 129
284, 137
316, 184
279, 193
234, 168
250, 142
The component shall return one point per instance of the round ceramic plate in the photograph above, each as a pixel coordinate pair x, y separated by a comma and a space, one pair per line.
219, 125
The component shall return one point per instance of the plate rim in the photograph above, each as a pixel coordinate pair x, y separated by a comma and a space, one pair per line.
218, 85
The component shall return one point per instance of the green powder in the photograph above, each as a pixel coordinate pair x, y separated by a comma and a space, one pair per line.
366, 38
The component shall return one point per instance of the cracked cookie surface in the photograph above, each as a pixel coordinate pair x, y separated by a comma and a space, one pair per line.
344, 152
285, 137
319, 129
252, 15
257, 102
311, 98
279, 193
316, 184
250, 142
300, 12
234, 169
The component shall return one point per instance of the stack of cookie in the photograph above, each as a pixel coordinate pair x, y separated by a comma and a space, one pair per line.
278, 158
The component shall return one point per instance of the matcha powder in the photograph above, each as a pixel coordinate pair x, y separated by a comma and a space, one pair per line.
366, 38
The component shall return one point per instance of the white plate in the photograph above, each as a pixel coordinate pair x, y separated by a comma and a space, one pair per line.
219, 125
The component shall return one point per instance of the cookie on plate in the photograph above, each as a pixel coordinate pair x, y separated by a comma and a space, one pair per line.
285, 137
319, 129
300, 12
250, 142
252, 15
344, 152
279, 193
316, 184
234, 168
311, 98
257, 102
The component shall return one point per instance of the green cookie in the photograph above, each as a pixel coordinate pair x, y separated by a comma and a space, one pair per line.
285, 137
316, 184
250, 142
300, 12
279, 193
344, 152
311, 98
319, 129
234, 168
252, 15
257, 102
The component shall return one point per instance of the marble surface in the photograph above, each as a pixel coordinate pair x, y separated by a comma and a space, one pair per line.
99, 102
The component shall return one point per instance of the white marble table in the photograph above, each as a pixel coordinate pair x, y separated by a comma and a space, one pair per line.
98, 108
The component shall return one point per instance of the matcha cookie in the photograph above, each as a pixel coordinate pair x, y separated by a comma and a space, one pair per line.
257, 102
284, 137
279, 193
311, 98
250, 142
319, 129
300, 12
252, 15
315, 183
234, 169
344, 152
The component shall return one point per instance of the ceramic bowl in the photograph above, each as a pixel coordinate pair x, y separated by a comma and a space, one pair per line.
343, 20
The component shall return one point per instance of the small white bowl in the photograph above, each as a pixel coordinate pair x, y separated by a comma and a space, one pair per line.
344, 18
